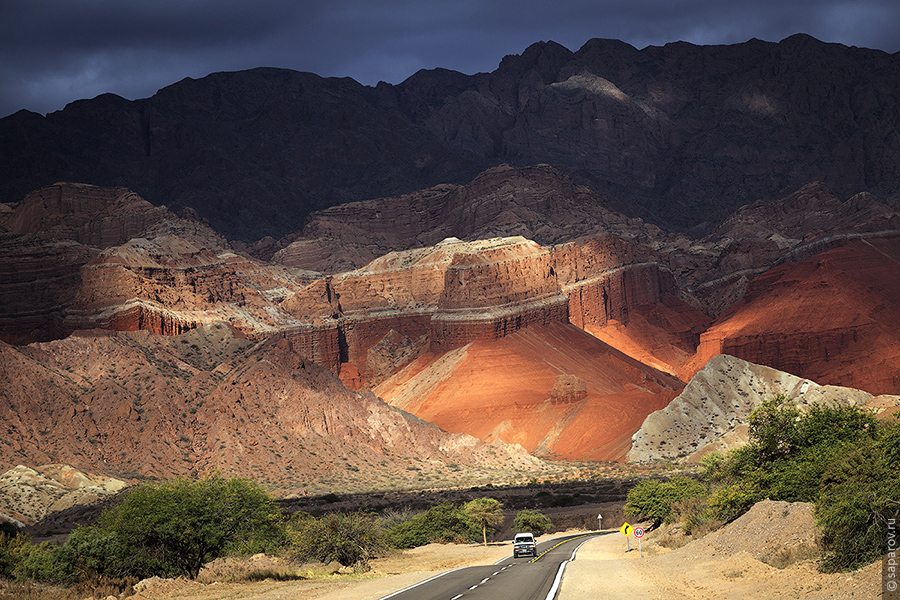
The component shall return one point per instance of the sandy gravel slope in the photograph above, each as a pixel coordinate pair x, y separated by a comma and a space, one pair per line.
725, 565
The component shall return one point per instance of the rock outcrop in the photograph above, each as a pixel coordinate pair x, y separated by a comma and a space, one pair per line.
537, 202
712, 411
28, 495
54, 232
820, 318
770, 232
553, 389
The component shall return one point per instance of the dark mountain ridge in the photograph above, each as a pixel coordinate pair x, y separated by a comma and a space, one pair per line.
680, 135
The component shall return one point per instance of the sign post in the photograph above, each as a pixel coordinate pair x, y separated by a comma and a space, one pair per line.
626, 530
639, 533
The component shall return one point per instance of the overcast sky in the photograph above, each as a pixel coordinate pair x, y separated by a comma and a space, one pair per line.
55, 51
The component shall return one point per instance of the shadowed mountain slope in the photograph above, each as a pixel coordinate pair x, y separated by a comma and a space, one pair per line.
680, 135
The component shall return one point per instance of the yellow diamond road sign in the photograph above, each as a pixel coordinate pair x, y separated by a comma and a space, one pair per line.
626, 529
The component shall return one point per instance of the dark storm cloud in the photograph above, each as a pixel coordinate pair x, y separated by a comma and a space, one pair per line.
54, 51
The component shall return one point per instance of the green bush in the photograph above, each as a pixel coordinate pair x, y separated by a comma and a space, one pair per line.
532, 521
837, 457
861, 493
732, 500
351, 539
91, 553
444, 523
173, 528
42, 562
653, 499
13, 550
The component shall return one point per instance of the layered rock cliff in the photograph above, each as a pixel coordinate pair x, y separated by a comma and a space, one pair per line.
821, 318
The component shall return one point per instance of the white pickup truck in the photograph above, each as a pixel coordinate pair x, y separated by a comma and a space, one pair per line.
524, 544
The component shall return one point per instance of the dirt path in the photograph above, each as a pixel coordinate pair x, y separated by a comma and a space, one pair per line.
605, 571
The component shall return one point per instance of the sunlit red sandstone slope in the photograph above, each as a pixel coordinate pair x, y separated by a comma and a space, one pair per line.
833, 318
554, 389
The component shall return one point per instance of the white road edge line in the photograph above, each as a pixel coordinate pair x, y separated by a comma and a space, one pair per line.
551, 595
415, 585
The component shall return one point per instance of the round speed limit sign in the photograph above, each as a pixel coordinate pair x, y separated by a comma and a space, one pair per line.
638, 532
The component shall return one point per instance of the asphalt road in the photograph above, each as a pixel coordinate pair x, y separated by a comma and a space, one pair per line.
524, 578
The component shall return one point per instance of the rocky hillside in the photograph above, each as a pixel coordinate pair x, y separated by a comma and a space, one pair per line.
141, 405
28, 495
712, 411
563, 347
681, 135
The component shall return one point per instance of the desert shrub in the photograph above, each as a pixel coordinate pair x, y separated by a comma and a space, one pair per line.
653, 499
42, 562
532, 521
484, 512
732, 500
799, 479
773, 430
444, 523
861, 493
693, 514
711, 467
13, 550
91, 553
837, 457
174, 527
351, 539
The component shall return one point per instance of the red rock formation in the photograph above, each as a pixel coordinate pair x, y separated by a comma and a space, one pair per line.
459, 292
168, 285
771, 231
93, 216
821, 319
54, 232
554, 389
538, 203
142, 405
38, 281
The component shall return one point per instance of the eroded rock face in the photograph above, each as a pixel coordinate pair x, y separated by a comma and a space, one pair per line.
458, 292
821, 318
99, 217
28, 495
771, 232
712, 411
553, 389
55, 231
538, 203
143, 405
